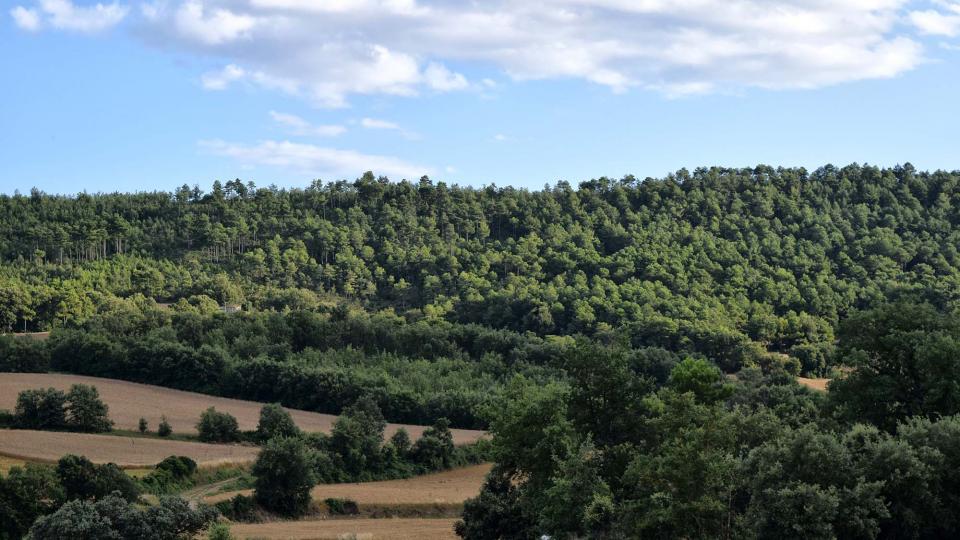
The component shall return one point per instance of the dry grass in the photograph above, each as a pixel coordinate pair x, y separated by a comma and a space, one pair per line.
341, 529
128, 452
6, 463
448, 487
39, 336
815, 384
129, 402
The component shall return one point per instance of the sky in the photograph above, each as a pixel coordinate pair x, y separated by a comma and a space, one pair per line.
143, 95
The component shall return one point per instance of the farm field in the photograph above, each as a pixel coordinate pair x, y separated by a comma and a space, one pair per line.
448, 487
366, 529
130, 401
49, 446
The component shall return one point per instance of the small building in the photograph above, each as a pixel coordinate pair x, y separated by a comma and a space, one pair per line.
231, 308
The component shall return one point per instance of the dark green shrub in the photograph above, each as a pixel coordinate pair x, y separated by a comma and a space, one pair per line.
164, 429
342, 507
215, 426
239, 508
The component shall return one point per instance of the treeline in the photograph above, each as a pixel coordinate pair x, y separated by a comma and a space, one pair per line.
771, 256
617, 450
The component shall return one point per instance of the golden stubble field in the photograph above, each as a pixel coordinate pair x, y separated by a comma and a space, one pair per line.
129, 402
448, 487
338, 529
49, 446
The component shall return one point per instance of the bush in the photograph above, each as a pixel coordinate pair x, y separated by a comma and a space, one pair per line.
114, 518
164, 429
217, 426
239, 508
342, 507
219, 531
82, 479
284, 477
178, 466
142, 425
7, 419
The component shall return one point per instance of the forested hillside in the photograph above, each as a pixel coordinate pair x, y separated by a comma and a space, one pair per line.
631, 346
721, 261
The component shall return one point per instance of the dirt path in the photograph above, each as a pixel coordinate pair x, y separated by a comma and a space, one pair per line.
129, 402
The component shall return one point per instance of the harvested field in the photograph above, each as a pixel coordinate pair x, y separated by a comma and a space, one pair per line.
815, 384
49, 446
448, 487
129, 402
362, 529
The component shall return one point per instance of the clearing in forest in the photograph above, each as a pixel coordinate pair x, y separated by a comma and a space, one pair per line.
814, 384
130, 401
334, 529
49, 446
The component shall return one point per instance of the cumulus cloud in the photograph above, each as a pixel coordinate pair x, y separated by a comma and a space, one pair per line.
299, 126
213, 26
326, 51
27, 19
312, 160
65, 15
938, 22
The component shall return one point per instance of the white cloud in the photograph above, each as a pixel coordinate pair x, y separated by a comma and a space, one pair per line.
220, 80
65, 15
440, 78
211, 27
945, 22
326, 51
231, 73
312, 160
27, 19
375, 123
299, 126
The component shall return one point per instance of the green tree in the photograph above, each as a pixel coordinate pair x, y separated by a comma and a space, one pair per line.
41, 409
85, 411
275, 421
284, 476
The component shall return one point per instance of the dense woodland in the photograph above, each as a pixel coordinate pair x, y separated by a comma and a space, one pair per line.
632, 345
776, 257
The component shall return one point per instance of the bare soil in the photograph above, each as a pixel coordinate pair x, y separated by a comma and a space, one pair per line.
128, 452
361, 529
129, 402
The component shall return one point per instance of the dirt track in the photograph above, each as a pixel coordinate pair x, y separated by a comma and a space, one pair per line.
448, 487
363, 529
124, 451
129, 402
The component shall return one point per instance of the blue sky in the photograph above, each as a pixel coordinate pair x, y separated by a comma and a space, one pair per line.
144, 95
